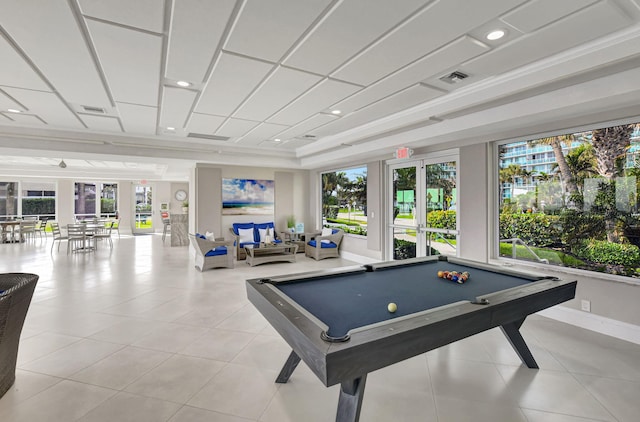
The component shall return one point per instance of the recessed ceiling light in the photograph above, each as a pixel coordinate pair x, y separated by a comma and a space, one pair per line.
336, 111
495, 35
277, 140
171, 128
13, 110
183, 84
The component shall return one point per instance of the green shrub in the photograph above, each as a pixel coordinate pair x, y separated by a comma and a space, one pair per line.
579, 225
442, 220
535, 229
604, 252
405, 249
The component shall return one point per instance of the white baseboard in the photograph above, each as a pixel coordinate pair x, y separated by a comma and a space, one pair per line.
597, 323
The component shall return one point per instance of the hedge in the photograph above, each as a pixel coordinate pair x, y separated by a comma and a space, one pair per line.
604, 252
535, 229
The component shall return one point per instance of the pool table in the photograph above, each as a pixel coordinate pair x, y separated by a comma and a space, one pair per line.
337, 320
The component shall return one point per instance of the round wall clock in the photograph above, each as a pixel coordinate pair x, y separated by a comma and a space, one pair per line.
181, 195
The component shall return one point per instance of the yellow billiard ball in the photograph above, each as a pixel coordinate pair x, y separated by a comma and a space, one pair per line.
392, 307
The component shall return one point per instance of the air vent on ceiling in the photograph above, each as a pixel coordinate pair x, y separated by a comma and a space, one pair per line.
206, 136
310, 136
91, 109
454, 77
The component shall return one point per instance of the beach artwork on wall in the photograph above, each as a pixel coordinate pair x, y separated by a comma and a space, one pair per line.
247, 196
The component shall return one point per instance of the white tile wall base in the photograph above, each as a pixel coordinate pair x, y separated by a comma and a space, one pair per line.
597, 323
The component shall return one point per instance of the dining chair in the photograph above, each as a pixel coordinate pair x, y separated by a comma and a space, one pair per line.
40, 228
57, 235
76, 237
104, 233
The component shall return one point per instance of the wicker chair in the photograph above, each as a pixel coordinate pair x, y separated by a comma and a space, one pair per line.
204, 246
14, 302
314, 249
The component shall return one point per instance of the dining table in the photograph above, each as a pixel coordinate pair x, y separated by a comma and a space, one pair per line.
83, 234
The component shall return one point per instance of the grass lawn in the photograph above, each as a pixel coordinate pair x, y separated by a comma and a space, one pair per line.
553, 256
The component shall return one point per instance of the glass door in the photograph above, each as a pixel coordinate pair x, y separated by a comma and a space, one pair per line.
423, 208
143, 211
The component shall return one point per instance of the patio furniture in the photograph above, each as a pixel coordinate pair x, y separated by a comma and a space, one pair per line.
104, 234
166, 222
27, 229
325, 245
275, 252
41, 227
212, 253
16, 291
248, 234
57, 235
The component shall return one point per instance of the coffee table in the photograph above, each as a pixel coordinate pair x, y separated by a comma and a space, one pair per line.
279, 252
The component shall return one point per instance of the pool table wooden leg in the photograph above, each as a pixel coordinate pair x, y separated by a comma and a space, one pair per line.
350, 400
289, 366
512, 332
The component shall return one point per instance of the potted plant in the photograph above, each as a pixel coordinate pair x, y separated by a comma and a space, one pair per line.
291, 223
185, 207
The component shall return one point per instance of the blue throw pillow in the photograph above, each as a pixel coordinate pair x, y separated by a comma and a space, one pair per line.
2, 292
201, 236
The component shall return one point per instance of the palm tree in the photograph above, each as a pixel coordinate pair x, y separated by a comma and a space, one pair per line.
510, 173
610, 145
581, 162
556, 143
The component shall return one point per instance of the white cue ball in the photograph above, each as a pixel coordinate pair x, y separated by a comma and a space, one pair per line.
392, 307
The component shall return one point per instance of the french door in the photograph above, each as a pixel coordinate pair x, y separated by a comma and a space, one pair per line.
422, 208
143, 208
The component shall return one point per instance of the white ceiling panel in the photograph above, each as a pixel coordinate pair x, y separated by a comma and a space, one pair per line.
288, 63
176, 105
138, 119
144, 14
267, 29
28, 119
103, 123
204, 123
234, 128
47, 106
282, 87
232, 81
538, 13
196, 29
296, 143
434, 64
131, 62
318, 98
263, 132
408, 98
15, 69
557, 37
7, 102
350, 27
57, 48
307, 126
411, 41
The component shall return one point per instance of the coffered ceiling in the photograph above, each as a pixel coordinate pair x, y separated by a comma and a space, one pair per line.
290, 83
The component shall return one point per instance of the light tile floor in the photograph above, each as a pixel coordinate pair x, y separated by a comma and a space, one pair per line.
137, 334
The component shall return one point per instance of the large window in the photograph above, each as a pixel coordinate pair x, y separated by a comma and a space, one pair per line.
85, 205
39, 200
572, 200
344, 200
8, 199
